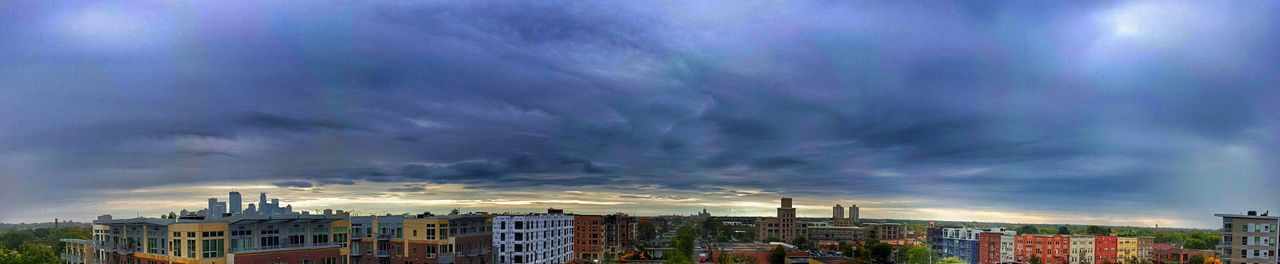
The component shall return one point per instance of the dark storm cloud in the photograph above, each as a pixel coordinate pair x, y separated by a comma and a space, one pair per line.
1003, 105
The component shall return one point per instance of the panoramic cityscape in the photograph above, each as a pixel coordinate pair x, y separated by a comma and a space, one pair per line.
806, 131
235, 231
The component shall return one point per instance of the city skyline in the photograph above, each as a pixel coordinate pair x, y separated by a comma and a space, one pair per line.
1108, 113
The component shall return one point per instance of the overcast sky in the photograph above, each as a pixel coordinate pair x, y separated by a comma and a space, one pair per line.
1125, 113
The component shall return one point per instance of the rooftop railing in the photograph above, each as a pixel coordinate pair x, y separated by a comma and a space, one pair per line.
286, 247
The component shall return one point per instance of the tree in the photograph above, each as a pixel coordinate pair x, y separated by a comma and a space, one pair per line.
772, 239
952, 260
1035, 260
1097, 230
846, 249
1063, 230
880, 252
682, 244
646, 231
800, 242
778, 255
919, 254
1028, 230
1212, 260
29, 253
1196, 259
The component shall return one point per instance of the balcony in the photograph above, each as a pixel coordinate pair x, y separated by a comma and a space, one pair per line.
383, 253
285, 247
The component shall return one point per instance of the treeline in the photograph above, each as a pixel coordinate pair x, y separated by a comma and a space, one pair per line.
41, 245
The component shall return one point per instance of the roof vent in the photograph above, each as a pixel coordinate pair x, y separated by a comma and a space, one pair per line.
1253, 213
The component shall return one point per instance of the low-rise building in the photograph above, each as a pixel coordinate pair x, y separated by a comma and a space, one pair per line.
291, 238
1048, 249
1082, 249
996, 247
1105, 249
1127, 250
885, 231
834, 234
1166, 254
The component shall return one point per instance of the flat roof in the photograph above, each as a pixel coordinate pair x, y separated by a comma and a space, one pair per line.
234, 219
1247, 216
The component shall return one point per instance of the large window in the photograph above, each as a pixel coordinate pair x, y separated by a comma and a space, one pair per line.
211, 248
191, 248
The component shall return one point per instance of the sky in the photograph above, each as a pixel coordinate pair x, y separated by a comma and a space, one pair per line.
1111, 112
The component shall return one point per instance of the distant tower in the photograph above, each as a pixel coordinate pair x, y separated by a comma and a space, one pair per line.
853, 214
837, 212
233, 200
288, 208
213, 205
251, 210
262, 203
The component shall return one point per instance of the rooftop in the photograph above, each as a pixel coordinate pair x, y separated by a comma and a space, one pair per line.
1247, 216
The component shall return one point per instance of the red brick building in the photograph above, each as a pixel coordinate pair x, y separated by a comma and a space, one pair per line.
1105, 249
989, 247
1053, 249
588, 237
1166, 254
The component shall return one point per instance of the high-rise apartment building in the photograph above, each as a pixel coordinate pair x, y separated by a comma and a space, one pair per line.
853, 214
1249, 238
533, 238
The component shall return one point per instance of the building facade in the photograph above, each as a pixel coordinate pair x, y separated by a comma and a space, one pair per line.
1127, 250
1145, 244
534, 238
292, 238
588, 237
1053, 249
885, 231
1082, 249
1171, 255
783, 227
834, 234
1105, 249
1249, 238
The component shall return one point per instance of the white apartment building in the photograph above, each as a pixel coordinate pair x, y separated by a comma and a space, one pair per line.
535, 238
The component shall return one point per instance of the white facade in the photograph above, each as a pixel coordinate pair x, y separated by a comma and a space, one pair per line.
543, 238
1081, 249
1006, 247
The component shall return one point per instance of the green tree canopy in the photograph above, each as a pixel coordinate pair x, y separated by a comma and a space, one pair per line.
1028, 230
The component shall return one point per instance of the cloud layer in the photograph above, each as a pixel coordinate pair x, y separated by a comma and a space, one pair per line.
1163, 111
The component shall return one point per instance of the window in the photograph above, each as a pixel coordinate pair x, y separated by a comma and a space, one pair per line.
191, 247
211, 248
